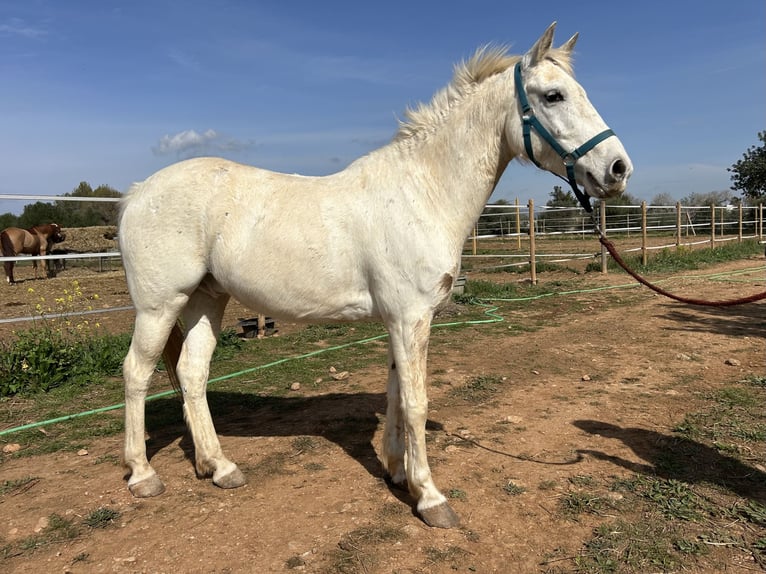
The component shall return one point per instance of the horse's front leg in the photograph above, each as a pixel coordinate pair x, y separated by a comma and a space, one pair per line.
406, 413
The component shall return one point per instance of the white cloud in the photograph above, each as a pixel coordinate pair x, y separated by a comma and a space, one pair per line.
17, 27
190, 143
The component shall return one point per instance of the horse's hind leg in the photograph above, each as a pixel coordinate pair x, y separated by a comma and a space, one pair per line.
149, 337
8, 266
202, 317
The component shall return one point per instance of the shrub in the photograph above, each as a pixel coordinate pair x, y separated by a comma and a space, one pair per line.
57, 350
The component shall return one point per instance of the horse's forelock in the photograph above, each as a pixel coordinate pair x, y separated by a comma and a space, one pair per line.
563, 59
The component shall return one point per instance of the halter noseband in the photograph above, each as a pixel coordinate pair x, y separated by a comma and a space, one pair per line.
530, 122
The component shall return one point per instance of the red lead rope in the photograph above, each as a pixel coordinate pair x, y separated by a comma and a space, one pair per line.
691, 301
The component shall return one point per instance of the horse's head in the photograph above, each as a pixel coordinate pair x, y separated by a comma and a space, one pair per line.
563, 131
51, 232
58, 236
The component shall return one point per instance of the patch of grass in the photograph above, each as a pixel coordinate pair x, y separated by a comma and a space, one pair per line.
477, 289
8, 486
478, 389
228, 345
671, 260
675, 499
101, 517
575, 503
457, 494
547, 485
623, 546
357, 550
449, 554
59, 529
582, 480
304, 443
513, 489
734, 420
107, 459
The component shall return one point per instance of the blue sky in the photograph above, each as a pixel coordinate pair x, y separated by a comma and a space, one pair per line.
108, 92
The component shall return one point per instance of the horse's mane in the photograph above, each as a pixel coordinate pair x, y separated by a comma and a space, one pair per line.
486, 62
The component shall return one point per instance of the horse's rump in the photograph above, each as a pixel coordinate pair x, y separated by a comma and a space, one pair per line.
7, 244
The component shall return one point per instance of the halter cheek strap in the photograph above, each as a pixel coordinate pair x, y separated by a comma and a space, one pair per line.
531, 122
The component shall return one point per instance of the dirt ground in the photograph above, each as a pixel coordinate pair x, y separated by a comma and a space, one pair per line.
593, 390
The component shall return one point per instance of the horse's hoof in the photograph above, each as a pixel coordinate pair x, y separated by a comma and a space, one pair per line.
234, 479
148, 487
440, 516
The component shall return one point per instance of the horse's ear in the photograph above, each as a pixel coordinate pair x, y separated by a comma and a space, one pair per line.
569, 45
541, 47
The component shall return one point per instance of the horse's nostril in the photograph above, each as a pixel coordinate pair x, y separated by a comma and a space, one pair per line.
619, 168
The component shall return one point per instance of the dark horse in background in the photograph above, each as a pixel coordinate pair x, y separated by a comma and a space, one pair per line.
37, 240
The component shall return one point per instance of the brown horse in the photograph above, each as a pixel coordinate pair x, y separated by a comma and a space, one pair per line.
36, 240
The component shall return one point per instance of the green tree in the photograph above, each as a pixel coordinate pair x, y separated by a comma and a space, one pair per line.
86, 214
561, 216
8, 220
561, 198
707, 198
624, 198
39, 213
749, 173
663, 199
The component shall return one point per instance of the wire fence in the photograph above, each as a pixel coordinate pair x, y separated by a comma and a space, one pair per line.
508, 236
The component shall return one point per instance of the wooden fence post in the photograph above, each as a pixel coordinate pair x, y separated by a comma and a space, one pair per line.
643, 233
602, 222
678, 225
532, 262
739, 230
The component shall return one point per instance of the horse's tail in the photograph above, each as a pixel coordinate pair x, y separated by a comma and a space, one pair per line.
6, 244
171, 353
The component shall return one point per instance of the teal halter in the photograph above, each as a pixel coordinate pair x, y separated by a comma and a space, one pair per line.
531, 122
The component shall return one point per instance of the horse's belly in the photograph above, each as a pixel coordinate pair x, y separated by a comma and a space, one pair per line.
302, 299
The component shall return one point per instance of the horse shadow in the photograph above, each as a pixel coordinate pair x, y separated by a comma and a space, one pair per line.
350, 420
678, 458
735, 321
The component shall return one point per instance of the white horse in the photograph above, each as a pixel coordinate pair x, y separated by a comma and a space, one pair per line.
381, 239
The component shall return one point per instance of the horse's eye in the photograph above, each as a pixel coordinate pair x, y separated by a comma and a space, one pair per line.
554, 96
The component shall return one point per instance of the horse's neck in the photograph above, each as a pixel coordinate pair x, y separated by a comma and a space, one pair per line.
462, 159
